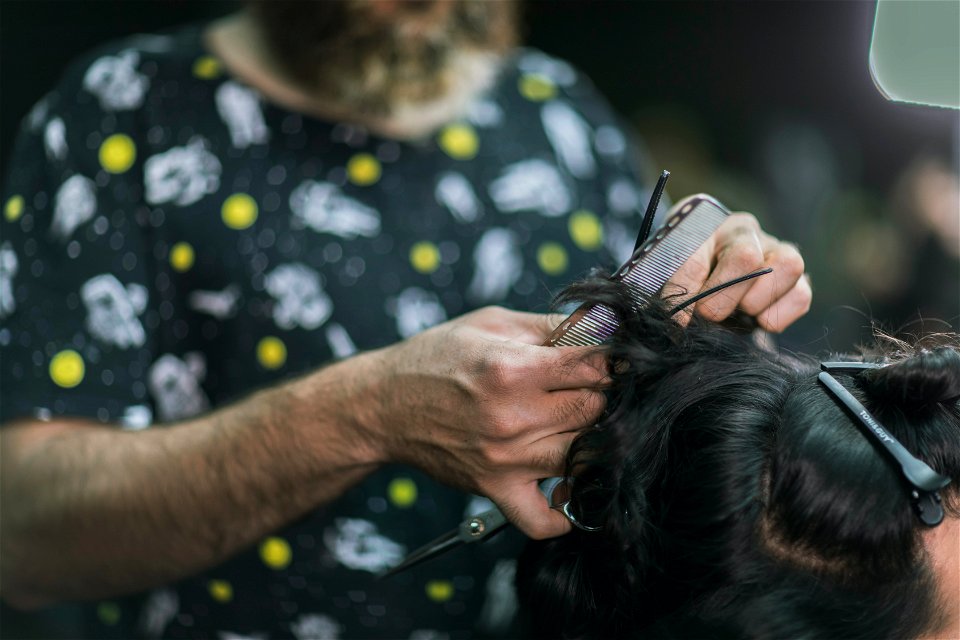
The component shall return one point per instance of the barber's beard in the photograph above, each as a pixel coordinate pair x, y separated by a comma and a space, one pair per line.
417, 68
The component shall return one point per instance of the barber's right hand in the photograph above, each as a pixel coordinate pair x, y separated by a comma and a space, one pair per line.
478, 404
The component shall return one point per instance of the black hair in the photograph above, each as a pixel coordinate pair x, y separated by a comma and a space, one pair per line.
737, 498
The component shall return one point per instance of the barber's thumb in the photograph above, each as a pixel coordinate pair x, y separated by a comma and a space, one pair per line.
529, 510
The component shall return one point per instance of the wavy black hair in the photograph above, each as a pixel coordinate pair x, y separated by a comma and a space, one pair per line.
736, 497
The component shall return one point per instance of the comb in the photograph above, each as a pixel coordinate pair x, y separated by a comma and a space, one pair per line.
689, 223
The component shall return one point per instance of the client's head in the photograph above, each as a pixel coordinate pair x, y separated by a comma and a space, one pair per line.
737, 498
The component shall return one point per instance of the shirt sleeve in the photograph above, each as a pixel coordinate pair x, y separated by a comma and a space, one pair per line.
75, 320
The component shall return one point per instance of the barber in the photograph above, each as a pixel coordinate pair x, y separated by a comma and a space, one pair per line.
94, 512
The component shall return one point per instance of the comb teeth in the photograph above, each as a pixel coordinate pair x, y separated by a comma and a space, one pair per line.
649, 268
655, 263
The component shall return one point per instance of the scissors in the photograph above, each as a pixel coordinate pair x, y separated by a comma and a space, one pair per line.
484, 525
653, 262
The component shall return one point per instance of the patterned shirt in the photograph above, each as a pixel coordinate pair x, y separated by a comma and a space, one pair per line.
171, 241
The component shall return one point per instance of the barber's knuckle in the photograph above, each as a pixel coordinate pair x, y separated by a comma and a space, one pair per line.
502, 427
791, 262
805, 299
745, 219
494, 456
596, 403
754, 305
692, 270
560, 412
771, 324
493, 370
490, 311
744, 256
711, 310
569, 409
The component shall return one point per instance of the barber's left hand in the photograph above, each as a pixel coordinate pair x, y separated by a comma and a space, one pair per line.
738, 247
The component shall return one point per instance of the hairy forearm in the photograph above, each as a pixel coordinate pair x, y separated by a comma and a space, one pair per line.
92, 511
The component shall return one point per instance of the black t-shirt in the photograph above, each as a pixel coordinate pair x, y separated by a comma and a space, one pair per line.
172, 241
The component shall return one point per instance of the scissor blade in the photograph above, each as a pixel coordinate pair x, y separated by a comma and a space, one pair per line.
474, 529
427, 551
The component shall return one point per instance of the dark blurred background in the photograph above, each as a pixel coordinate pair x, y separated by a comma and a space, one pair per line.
767, 105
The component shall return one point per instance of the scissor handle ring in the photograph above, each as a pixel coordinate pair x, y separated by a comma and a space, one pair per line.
548, 487
564, 508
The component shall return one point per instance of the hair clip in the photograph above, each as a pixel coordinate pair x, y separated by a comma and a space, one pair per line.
925, 482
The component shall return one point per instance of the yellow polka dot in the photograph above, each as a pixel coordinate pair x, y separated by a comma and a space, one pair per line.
439, 590
459, 141
109, 613
275, 553
425, 257
536, 87
363, 169
239, 211
181, 256
117, 153
585, 229
552, 258
13, 209
220, 590
402, 492
206, 67
271, 352
67, 368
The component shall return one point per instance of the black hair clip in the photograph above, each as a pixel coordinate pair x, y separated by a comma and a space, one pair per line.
925, 482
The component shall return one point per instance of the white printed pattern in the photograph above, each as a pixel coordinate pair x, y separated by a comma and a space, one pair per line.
55, 139
623, 197
618, 240
116, 82
557, 70
485, 113
300, 299
498, 266
569, 134
181, 175
357, 545
416, 310
219, 304
428, 634
500, 605
323, 207
112, 311
8, 269
38, 114
160, 608
239, 108
341, 344
136, 417
531, 185
230, 635
456, 193
477, 505
175, 385
316, 626
74, 204
609, 142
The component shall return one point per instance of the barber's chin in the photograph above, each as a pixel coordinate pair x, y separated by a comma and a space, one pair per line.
470, 74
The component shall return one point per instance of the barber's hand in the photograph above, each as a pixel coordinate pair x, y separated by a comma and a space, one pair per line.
738, 247
478, 404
